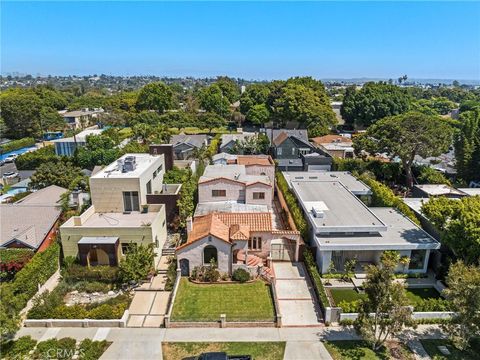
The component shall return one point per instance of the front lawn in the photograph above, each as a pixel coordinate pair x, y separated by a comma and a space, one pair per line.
348, 295
431, 347
258, 350
414, 295
356, 350
240, 302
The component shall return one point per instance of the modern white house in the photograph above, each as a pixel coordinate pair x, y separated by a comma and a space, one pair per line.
120, 213
67, 146
342, 227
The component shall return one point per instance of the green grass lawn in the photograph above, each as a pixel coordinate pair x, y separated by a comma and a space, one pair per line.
258, 350
431, 347
413, 294
356, 350
240, 302
345, 295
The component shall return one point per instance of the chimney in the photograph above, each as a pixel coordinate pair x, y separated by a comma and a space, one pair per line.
77, 221
189, 225
167, 151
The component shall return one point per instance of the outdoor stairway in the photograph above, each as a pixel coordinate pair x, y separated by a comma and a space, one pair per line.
168, 251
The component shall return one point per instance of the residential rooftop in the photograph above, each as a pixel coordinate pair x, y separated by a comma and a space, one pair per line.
49, 196
470, 191
439, 189
346, 178
331, 207
228, 207
81, 136
401, 234
262, 160
232, 172
142, 163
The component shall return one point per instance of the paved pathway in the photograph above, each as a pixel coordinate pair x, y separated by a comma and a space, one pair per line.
141, 343
295, 295
148, 308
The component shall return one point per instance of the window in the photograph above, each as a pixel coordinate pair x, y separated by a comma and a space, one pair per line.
155, 174
209, 254
159, 169
293, 151
126, 247
130, 201
258, 195
149, 187
417, 258
255, 243
279, 151
219, 193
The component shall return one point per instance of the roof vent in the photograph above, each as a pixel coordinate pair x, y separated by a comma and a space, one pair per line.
318, 213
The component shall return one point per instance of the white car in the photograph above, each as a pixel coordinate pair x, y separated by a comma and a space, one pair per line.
11, 158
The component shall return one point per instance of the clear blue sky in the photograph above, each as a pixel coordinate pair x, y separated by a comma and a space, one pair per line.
250, 40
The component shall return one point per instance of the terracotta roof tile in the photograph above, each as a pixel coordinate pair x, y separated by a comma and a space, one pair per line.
254, 160
256, 221
328, 139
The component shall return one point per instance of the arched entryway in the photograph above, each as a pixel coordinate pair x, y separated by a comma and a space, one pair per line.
184, 267
209, 254
98, 256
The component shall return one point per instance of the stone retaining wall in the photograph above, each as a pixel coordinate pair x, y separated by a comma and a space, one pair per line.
121, 323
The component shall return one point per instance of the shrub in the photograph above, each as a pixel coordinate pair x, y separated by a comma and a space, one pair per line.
12, 261
74, 273
17, 144
383, 171
241, 275
108, 311
92, 286
18, 349
316, 278
349, 306
53, 348
92, 350
205, 273
291, 200
171, 273
346, 322
432, 304
138, 262
34, 159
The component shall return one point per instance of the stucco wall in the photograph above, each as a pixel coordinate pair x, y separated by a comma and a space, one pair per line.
233, 191
194, 253
259, 187
262, 170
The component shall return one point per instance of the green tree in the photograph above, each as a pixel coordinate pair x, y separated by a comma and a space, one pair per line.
384, 311
253, 145
58, 173
156, 96
254, 94
406, 136
303, 104
459, 224
212, 100
138, 262
229, 87
99, 150
429, 175
373, 102
21, 113
149, 134
211, 121
258, 114
464, 293
467, 146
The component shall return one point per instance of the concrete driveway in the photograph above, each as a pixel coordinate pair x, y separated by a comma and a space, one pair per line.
295, 294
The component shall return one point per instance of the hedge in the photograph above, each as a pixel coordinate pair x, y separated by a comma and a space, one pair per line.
18, 349
32, 160
383, 196
295, 209
12, 261
384, 171
24, 286
92, 350
59, 349
316, 278
106, 274
17, 144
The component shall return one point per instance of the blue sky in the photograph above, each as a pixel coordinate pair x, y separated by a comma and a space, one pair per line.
250, 40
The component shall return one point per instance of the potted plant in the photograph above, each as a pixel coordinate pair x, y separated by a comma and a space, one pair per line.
144, 208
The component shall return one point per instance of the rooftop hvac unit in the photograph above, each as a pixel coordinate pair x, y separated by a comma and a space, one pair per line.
318, 213
129, 164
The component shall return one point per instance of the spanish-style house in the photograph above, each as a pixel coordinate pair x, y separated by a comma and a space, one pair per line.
254, 164
236, 240
232, 183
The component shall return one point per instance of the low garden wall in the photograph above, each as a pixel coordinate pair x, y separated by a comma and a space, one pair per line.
121, 323
416, 315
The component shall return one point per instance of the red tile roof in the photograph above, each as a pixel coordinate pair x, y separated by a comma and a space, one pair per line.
247, 160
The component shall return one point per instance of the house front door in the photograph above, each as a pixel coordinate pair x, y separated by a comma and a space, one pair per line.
184, 267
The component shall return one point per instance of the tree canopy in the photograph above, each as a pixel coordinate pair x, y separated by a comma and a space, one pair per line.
373, 102
459, 225
58, 173
406, 136
156, 96
213, 100
467, 146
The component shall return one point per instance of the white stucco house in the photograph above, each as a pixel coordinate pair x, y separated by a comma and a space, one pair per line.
342, 227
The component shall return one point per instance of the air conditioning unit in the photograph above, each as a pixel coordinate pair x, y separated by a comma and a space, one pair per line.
318, 213
129, 164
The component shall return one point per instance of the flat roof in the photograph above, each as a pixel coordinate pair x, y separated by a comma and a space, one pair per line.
470, 191
228, 207
439, 189
232, 172
143, 163
81, 136
401, 234
346, 178
339, 209
98, 240
115, 219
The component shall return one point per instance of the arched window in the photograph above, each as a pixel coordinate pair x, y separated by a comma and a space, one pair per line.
209, 253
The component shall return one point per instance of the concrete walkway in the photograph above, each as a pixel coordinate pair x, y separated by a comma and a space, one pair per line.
142, 343
295, 294
148, 308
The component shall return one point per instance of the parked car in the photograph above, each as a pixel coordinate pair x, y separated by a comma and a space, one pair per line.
221, 356
11, 158
10, 174
2, 162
